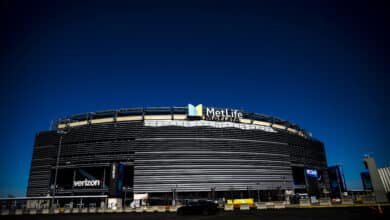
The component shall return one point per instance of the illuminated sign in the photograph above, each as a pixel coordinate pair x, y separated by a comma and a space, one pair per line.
86, 183
312, 173
195, 111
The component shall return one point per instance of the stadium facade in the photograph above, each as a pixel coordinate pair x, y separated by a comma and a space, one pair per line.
176, 152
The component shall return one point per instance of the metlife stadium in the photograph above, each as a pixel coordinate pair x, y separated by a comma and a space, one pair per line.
172, 153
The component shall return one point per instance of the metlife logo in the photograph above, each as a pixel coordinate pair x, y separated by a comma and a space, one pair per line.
195, 111
214, 114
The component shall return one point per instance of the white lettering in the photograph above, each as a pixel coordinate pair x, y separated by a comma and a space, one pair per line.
223, 115
86, 183
209, 111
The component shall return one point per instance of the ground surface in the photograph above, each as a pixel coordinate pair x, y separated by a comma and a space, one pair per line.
295, 214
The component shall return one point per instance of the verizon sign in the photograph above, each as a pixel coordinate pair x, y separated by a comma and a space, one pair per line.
86, 183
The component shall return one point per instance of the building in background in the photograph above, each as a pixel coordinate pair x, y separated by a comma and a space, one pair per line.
366, 181
336, 181
376, 181
384, 174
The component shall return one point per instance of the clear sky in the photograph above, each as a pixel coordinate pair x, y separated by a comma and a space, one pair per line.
320, 65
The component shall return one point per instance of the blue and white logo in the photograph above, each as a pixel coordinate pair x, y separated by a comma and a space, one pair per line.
195, 111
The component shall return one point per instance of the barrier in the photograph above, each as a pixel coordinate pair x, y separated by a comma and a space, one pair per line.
128, 210
368, 199
228, 207
279, 205
269, 205
160, 208
140, 209
149, 209
324, 201
261, 206
19, 212
244, 207
304, 202
369, 202
238, 202
5, 212
347, 201
173, 209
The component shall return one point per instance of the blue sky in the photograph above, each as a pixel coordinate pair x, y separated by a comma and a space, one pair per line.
320, 65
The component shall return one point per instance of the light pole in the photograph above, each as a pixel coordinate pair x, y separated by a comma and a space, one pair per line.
61, 132
258, 192
213, 193
174, 196
125, 189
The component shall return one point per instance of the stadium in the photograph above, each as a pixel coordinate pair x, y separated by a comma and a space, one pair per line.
166, 154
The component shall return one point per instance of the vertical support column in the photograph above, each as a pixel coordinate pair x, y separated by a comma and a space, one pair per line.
104, 178
113, 191
74, 177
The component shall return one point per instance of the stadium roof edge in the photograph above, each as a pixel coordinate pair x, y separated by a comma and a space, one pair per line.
171, 110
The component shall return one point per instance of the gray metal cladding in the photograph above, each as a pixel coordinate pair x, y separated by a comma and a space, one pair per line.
202, 158
180, 158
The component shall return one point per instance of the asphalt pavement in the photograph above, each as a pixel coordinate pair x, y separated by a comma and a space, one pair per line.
294, 214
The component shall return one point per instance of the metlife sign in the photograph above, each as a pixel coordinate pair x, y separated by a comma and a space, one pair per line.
214, 114
223, 114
